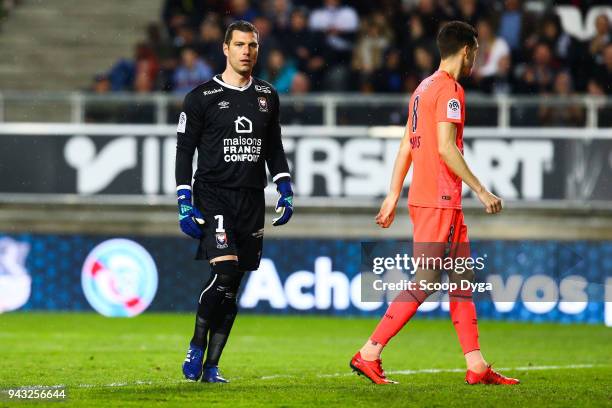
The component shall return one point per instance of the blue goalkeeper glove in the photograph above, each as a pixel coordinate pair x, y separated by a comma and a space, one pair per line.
284, 205
190, 217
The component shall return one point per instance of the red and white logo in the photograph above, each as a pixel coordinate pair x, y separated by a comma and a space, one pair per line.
263, 104
221, 238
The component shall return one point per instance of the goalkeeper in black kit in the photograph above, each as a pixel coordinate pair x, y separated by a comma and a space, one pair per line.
233, 122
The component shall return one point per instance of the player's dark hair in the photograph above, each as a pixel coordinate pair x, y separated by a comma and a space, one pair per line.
239, 25
455, 35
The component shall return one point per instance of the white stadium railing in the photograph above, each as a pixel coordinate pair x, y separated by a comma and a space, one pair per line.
41, 106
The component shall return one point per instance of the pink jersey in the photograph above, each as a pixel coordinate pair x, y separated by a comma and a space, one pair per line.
438, 98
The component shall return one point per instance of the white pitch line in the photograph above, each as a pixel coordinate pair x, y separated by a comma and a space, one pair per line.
344, 374
523, 368
273, 377
461, 370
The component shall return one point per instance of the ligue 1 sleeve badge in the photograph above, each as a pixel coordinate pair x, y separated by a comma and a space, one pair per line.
119, 278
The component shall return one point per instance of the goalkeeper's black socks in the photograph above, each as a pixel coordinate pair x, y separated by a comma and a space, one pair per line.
220, 331
200, 333
217, 309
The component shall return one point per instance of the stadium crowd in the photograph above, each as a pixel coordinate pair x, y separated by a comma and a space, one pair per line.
364, 46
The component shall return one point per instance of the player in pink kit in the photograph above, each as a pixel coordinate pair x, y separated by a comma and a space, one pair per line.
433, 141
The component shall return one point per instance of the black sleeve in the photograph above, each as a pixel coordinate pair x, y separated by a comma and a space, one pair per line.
188, 131
275, 153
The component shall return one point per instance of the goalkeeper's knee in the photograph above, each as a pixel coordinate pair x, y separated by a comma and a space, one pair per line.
221, 290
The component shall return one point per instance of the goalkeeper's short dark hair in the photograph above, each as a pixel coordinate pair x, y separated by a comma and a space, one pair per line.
455, 35
239, 25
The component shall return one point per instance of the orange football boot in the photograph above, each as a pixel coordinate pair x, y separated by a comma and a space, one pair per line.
370, 369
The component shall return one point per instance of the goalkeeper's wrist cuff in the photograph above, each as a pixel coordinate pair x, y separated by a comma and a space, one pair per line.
284, 187
281, 176
183, 192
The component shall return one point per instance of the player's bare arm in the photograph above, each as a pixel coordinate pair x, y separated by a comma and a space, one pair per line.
450, 154
403, 160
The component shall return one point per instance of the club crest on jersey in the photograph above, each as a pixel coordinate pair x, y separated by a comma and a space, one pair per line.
263, 104
223, 104
453, 109
221, 238
263, 89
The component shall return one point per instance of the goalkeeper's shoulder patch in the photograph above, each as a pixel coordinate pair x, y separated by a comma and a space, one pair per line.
182, 123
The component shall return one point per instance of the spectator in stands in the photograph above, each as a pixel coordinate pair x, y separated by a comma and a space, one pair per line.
208, 44
267, 42
101, 84
326, 51
567, 51
157, 42
178, 13
185, 36
305, 48
300, 85
468, 11
510, 23
601, 81
492, 49
424, 65
564, 115
279, 12
146, 62
552, 33
415, 36
339, 23
191, 72
165, 77
165, 53
374, 38
431, 15
602, 37
538, 75
241, 10
279, 72
143, 83
299, 113
389, 78
502, 83
122, 74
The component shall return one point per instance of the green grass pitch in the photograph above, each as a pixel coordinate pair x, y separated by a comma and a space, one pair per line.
298, 361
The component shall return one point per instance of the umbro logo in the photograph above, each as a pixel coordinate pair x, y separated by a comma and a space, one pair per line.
263, 89
213, 91
223, 104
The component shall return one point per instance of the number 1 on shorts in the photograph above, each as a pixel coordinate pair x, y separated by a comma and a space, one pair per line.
219, 219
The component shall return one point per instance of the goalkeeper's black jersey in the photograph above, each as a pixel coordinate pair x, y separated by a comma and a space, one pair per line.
236, 130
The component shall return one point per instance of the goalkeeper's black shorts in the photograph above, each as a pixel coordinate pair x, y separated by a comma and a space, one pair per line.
234, 223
